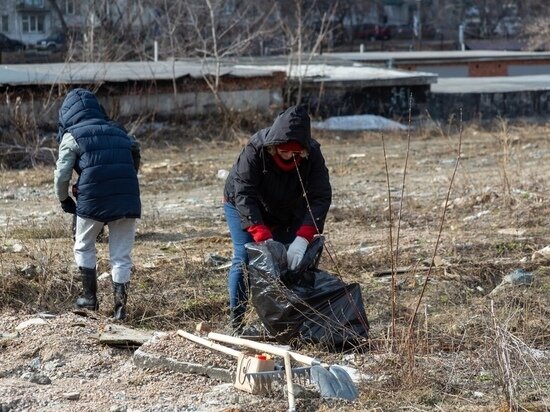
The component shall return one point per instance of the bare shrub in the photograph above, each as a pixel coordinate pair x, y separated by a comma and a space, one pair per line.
514, 362
538, 33
22, 145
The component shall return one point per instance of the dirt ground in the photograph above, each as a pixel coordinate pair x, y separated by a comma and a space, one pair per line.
472, 347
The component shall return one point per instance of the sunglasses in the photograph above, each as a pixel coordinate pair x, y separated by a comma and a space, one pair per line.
287, 154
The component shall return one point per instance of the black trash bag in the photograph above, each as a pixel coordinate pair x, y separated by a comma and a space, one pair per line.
307, 303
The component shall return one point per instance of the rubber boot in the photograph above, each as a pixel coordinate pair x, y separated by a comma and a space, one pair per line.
88, 300
120, 293
236, 317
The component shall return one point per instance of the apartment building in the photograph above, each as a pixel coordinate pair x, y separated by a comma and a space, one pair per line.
31, 20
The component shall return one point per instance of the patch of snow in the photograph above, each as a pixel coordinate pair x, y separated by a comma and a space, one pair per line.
358, 122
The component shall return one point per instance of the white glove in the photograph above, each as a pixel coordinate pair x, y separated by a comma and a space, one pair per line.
296, 252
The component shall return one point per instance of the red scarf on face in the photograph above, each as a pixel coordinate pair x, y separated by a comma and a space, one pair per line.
288, 165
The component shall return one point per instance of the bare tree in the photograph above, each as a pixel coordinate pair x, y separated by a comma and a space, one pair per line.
538, 33
305, 29
59, 14
224, 29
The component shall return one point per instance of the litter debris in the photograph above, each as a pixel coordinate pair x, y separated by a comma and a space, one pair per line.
476, 216
18, 247
541, 255
222, 174
215, 260
518, 277
512, 231
29, 271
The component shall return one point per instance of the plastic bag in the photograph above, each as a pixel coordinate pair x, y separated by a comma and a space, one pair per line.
307, 303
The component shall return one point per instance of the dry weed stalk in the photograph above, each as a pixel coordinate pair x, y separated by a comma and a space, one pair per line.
503, 355
392, 255
517, 367
409, 337
332, 255
505, 144
395, 254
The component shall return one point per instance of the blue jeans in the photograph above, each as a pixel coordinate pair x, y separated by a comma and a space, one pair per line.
238, 289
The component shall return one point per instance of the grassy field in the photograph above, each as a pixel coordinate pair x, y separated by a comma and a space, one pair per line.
445, 339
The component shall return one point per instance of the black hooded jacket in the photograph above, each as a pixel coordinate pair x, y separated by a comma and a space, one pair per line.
265, 194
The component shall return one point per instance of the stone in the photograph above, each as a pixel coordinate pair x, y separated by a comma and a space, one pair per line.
203, 327
39, 379
118, 335
31, 322
72, 396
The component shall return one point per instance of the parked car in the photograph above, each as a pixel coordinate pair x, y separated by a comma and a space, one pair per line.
371, 31
407, 31
7, 44
54, 42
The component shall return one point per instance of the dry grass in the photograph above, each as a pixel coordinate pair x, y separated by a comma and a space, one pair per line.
468, 351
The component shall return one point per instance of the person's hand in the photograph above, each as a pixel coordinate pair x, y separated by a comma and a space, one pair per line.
68, 205
296, 252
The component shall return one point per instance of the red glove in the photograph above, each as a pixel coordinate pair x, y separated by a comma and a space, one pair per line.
307, 232
259, 232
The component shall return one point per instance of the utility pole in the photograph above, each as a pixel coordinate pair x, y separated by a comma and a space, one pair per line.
419, 20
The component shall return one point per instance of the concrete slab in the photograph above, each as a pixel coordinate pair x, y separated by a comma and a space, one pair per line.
148, 356
145, 360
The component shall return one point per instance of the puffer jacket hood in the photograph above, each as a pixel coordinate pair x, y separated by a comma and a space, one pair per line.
292, 124
79, 105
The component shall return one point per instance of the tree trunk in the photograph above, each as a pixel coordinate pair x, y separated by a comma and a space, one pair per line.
59, 13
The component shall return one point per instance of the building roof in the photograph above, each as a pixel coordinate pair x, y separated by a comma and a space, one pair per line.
354, 75
467, 85
411, 57
337, 72
86, 73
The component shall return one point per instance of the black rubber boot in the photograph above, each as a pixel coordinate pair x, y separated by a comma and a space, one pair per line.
88, 300
120, 293
238, 326
236, 317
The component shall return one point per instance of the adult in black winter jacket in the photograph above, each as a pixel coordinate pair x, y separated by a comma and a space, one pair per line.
264, 196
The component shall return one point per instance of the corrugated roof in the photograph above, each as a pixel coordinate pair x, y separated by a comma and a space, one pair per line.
319, 70
85, 73
336, 73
